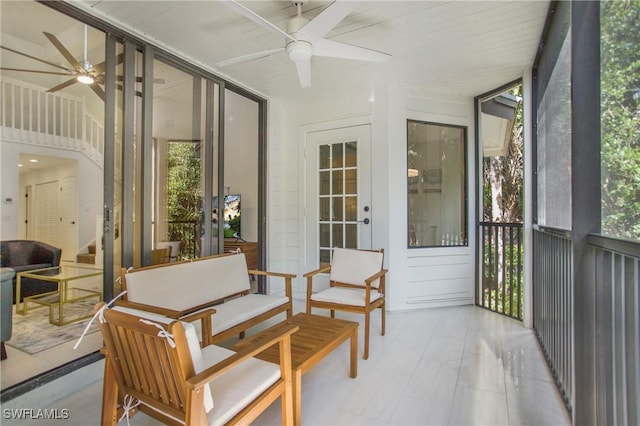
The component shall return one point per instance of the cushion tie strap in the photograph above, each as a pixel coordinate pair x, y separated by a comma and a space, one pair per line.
128, 405
162, 333
100, 315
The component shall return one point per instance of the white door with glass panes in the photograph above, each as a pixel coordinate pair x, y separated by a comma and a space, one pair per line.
338, 205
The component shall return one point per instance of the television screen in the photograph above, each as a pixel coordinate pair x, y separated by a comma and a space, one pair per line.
231, 215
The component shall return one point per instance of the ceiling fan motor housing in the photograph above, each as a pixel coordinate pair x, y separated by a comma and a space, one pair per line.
300, 50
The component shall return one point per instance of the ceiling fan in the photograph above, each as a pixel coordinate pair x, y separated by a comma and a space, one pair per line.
85, 72
304, 38
82, 72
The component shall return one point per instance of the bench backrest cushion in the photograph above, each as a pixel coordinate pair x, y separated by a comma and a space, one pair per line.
351, 266
181, 286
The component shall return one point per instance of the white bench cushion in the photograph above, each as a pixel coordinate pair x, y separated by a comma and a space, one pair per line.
239, 386
344, 296
240, 309
351, 266
182, 286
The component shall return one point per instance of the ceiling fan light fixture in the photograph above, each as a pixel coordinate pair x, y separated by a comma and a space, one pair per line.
300, 51
85, 79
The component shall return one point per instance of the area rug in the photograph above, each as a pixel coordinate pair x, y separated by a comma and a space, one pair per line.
32, 333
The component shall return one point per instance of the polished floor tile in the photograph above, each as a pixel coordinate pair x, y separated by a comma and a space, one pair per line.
445, 366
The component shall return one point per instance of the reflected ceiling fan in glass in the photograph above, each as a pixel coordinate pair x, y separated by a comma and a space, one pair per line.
84, 73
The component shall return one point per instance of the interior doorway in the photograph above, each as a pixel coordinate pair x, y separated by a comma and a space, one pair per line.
50, 208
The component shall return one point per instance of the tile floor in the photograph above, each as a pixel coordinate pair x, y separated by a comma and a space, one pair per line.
444, 366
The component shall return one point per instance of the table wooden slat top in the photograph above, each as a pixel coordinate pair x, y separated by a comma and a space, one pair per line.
316, 337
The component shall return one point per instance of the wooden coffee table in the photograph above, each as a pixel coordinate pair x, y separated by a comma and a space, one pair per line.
316, 338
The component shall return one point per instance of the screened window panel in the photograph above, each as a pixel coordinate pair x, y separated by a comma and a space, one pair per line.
554, 145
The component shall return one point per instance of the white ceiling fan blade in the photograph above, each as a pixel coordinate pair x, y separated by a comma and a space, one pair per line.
249, 57
304, 72
243, 10
327, 20
336, 49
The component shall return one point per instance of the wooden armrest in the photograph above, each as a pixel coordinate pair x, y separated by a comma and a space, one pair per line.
150, 308
267, 338
198, 315
271, 274
205, 324
375, 276
317, 271
287, 279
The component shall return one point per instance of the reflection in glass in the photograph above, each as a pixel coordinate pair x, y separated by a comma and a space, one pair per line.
338, 187
337, 155
325, 209
351, 181
325, 183
325, 257
337, 208
325, 235
350, 156
324, 157
351, 235
337, 235
436, 183
351, 208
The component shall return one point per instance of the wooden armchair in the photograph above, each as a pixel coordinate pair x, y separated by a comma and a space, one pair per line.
356, 284
160, 369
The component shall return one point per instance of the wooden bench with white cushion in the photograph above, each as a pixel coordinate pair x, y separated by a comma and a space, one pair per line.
185, 290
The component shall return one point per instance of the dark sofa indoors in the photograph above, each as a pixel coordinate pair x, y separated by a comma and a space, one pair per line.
27, 255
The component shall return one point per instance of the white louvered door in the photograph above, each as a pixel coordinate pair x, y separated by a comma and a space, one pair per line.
46, 216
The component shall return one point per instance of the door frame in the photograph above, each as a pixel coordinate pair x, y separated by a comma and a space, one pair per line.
303, 133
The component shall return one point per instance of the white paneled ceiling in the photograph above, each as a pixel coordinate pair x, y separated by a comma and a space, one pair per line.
451, 48
455, 48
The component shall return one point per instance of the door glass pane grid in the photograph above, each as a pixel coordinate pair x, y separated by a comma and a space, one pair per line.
338, 198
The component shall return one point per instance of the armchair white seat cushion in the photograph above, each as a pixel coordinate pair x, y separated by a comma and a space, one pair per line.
346, 296
236, 388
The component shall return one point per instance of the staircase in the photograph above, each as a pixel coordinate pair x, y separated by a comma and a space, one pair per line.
88, 257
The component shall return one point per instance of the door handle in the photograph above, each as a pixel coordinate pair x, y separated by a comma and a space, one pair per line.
365, 221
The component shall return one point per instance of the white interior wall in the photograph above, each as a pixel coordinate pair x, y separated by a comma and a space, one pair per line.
89, 177
283, 214
417, 278
408, 288
9, 190
426, 277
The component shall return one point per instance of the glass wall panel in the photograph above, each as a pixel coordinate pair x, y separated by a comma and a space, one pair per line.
57, 147
116, 218
620, 115
241, 167
178, 160
437, 185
